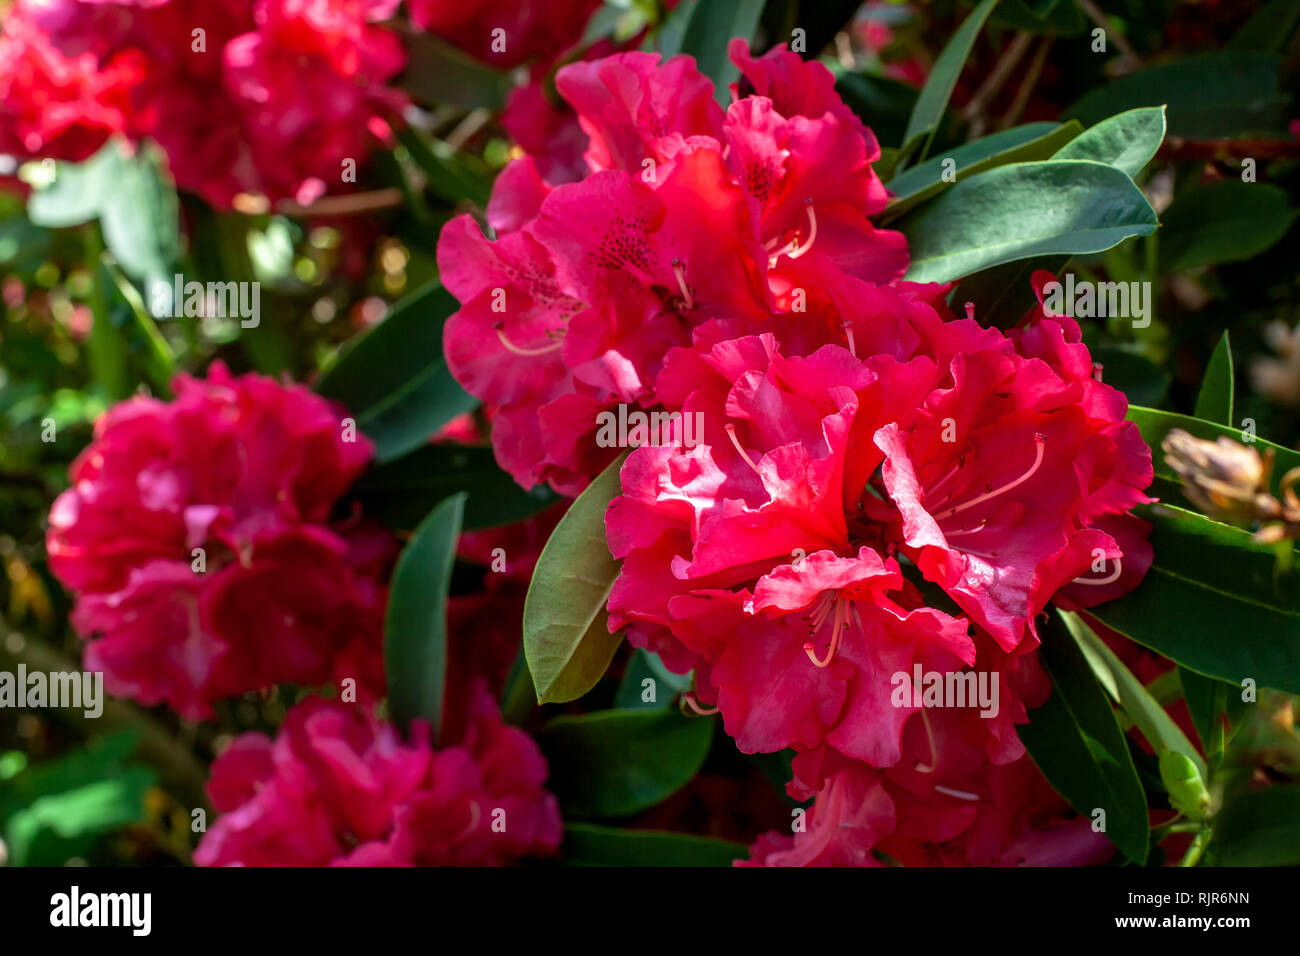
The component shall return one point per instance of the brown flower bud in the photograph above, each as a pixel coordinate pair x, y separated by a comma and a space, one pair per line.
1224, 479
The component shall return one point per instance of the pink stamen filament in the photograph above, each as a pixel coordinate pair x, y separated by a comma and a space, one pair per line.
841, 615
1040, 443
523, 351
689, 700
679, 271
476, 814
1108, 579
978, 527
848, 332
959, 794
929, 738
731, 433
801, 248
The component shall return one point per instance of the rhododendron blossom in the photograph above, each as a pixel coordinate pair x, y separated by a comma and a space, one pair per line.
198, 537
339, 787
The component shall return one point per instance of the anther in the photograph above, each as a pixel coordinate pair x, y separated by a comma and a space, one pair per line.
679, 270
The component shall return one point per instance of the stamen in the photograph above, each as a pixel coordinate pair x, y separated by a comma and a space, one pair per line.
812, 232
978, 527
731, 433
476, 814
521, 350
959, 794
942, 481
970, 311
689, 700
929, 738
679, 270
1096, 371
848, 332
1108, 579
1040, 443
836, 634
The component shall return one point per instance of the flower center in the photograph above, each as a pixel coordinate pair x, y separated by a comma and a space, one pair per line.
1040, 443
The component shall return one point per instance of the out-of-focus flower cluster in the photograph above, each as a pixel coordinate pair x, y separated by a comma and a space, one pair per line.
721, 265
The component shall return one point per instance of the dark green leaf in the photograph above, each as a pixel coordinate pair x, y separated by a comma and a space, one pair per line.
415, 627
451, 176
932, 102
1214, 402
590, 844
880, 102
1210, 702
1213, 602
438, 72
645, 666
394, 380
1210, 95
1076, 742
710, 29
1144, 382
400, 493
1224, 221
1020, 211
566, 639
614, 763
1003, 294
1022, 144
1127, 141
1268, 28
1260, 828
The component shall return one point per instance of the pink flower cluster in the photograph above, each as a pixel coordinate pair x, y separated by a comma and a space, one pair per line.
198, 539
338, 787
723, 264
270, 97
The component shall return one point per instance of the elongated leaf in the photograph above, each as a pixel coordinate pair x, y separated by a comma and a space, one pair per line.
566, 641
415, 627
1214, 602
400, 493
711, 26
932, 102
614, 763
1022, 144
1214, 401
395, 380
1057, 207
451, 176
590, 844
1225, 221
1075, 740
1260, 828
1130, 694
1210, 703
1127, 141
1241, 98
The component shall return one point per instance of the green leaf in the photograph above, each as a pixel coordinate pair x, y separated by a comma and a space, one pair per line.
400, 493
1214, 401
1268, 28
1130, 694
156, 357
451, 176
1022, 211
394, 380
1033, 141
1224, 221
1213, 602
415, 627
930, 105
1210, 702
1075, 740
77, 192
1127, 141
566, 640
614, 763
882, 103
645, 665
1058, 17
1260, 828
709, 30
590, 844
57, 827
1209, 96
438, 72
1126, 368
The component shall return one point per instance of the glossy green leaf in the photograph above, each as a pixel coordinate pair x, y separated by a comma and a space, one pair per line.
709, 30
633, 690
566, 640
1214, 401
1130, 694
400, 493
1021, 211
394, 380
590, 844
930, 105
1075, 740
415, 627
1224, 221
1214, 602
614, 763
1260, 828
1127, 141
1209, 96
1032, 141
